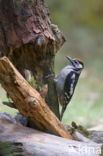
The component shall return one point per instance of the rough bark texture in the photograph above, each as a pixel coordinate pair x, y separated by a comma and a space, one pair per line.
30, 41
18, 140
28, 101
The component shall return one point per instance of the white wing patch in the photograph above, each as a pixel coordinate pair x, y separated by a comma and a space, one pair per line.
73, 76
66, 98
72, 84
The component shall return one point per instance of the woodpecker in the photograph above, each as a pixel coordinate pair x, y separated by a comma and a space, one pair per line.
66, 82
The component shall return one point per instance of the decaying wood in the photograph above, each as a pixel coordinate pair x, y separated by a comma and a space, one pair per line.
20, 140
30, 41
28, 101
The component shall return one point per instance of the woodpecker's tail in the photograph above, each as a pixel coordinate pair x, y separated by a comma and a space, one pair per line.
62, 112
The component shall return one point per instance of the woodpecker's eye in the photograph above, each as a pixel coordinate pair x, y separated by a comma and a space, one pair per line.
76, 62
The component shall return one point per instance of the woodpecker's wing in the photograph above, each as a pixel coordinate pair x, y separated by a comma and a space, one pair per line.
69, 86
60, 79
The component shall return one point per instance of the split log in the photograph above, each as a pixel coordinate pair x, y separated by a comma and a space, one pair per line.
16, 139
28, 101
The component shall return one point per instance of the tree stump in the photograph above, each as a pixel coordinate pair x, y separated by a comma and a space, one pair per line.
30, 41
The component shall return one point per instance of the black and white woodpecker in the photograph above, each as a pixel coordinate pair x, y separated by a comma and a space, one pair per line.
66, 82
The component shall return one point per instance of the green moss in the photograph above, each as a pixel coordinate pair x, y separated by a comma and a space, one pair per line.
32, 82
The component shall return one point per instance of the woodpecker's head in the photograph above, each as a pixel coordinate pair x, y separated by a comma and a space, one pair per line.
76, 63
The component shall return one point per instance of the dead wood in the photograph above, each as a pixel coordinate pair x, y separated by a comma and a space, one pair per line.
28, 101
20, 140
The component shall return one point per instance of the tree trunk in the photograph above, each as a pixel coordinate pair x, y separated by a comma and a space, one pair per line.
30, 41
28, 101
16, 139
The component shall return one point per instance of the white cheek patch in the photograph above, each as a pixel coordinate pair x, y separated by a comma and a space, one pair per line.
80, 66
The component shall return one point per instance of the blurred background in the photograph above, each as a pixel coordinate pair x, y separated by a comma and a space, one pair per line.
81, 21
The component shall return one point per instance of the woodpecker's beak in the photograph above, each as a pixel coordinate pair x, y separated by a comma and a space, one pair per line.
71, 60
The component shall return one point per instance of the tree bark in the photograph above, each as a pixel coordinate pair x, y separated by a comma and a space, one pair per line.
16, 139
30, 41
28, 101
